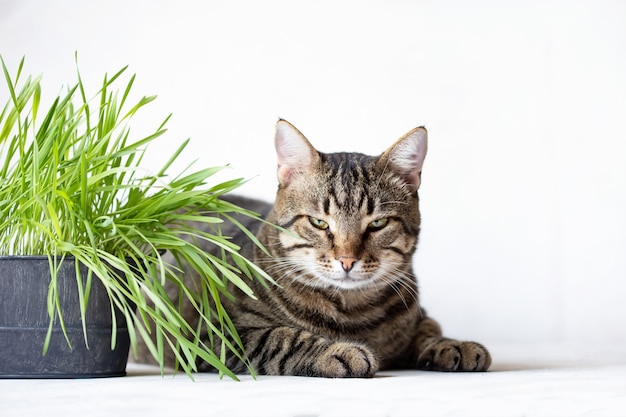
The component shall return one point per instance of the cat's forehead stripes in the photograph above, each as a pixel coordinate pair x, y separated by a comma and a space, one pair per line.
348, 181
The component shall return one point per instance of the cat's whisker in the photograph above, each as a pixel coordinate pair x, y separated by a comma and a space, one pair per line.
397, 279
285, 267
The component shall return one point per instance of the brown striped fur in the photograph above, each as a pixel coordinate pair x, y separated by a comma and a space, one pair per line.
347, 302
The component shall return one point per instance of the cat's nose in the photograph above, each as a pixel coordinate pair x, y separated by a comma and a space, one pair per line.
347, 262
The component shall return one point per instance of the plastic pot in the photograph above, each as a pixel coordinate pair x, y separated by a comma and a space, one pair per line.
24, 321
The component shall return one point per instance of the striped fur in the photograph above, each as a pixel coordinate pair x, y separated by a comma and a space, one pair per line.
347, 305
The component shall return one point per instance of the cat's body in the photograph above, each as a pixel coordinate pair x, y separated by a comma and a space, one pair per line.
347, 302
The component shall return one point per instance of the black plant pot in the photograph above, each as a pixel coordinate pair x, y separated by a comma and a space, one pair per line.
24, 321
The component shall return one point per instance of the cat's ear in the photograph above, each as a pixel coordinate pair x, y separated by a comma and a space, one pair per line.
406, 156
295, 154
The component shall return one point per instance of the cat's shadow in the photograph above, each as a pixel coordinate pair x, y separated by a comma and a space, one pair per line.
496, 367
518, 367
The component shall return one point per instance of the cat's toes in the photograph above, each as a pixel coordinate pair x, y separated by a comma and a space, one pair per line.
452, 355
346, 360
439, 358
474, 357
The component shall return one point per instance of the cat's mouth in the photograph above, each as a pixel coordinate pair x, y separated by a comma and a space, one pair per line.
329, 275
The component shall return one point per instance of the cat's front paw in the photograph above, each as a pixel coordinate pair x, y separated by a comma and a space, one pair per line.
453, 355
346, 360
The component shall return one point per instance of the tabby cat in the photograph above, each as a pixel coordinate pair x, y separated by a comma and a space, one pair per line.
347, 304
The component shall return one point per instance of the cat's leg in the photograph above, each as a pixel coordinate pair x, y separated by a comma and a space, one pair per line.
437, 353
294, 351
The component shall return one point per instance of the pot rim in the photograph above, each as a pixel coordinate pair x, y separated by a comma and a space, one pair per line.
34, 257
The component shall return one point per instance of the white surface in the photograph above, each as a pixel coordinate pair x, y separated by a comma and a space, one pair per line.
555, 380
524, 187
523, 192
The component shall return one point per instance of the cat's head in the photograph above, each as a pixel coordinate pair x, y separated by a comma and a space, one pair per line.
354, 219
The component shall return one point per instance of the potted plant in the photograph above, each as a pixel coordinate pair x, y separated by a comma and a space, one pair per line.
83, 232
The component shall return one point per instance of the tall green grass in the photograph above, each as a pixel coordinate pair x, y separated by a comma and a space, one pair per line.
72, 185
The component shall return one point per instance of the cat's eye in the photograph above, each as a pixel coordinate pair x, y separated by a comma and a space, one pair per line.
377, 224
320, 224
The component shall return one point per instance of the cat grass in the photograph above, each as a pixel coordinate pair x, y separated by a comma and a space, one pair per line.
72, 184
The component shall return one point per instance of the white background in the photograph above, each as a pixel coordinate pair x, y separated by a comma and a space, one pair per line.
524, 188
